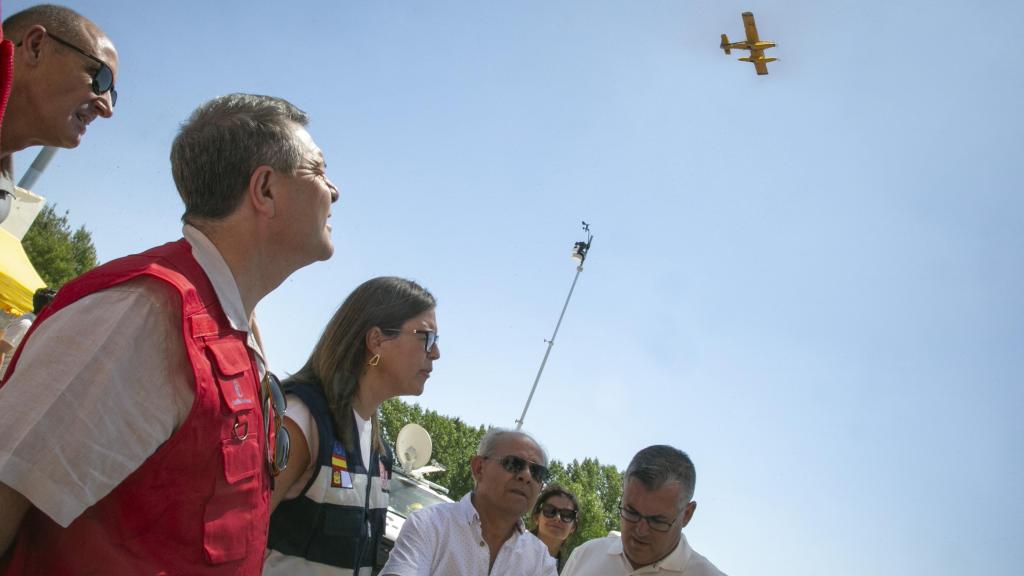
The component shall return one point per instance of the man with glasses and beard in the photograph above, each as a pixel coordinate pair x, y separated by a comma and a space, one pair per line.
657, 502
140, 428
484, 532
63, 74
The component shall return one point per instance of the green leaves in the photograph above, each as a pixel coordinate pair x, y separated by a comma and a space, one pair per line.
57, 253
597, 488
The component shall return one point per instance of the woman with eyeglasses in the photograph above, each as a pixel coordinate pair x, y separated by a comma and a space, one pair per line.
329, 504
554, 518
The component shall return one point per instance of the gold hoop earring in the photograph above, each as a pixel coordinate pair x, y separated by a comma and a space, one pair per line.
374, 360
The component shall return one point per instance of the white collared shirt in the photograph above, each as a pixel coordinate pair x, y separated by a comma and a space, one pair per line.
604, 557
100, 386
224, 285
446, 539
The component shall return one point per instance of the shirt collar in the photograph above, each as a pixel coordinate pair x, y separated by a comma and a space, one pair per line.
675, 561
470, 514
210, 260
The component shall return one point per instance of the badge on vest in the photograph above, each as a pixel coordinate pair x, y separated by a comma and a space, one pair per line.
340, 477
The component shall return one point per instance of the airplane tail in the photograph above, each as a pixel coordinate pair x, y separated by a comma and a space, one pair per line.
725, 44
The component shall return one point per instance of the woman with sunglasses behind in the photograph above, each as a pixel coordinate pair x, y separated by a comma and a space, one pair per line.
554, 517
329, 505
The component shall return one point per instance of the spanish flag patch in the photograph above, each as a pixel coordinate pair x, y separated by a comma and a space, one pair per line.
340, 477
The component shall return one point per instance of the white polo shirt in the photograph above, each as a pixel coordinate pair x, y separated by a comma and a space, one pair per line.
446, 540
101, 385
604, 557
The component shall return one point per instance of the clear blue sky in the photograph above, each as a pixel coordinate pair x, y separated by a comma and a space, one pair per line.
810, 281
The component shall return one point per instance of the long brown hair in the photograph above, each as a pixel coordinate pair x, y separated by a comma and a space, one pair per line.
339, 357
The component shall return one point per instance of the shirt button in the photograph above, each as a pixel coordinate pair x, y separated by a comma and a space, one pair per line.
482, 543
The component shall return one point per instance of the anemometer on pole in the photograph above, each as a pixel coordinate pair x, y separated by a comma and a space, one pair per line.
579, 252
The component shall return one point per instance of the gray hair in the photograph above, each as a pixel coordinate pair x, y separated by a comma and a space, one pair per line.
62, 21
223, 142
658, 465
496, 435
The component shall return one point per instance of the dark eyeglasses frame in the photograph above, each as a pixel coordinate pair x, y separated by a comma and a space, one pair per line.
102, 79
514, 464
566, 515
429, 340
274, 400
656, 522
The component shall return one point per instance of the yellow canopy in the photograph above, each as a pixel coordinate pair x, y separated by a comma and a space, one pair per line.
18, 278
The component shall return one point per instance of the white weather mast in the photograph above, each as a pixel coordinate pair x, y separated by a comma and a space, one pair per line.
579, 253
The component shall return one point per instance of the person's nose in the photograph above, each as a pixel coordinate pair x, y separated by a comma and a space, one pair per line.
435, 352
104, 105
526, 476
334, 191
642, 527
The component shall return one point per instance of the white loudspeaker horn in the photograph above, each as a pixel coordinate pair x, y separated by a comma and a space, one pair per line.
413, 446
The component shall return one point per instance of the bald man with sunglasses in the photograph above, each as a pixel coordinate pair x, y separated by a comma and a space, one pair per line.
63, 76
483, 533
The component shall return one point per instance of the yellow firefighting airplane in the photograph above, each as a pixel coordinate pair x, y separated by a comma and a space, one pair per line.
752, 43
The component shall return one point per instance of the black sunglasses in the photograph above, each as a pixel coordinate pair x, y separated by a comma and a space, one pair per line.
102, 79
429, 336
277, 456
567, 515
515, 465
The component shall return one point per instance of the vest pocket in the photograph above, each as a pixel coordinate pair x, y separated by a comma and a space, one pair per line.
238, 387
346, 523
228, 515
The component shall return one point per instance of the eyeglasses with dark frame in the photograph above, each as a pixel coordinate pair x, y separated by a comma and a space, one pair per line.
429, 336
102, 79
514, 464
656, 522
566, 515
274, 400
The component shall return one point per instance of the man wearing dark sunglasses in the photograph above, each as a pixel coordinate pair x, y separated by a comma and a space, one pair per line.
657, 502
141, 429
483, 533
63, 78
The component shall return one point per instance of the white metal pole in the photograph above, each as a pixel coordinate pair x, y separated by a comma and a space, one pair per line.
37, 167
519, 423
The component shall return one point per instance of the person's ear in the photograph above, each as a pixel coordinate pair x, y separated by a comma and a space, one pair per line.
374, 339
261, 193
476, 466
32, 44
688, 512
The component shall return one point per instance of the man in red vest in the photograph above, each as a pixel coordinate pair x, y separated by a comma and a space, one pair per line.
57, 75
140, 428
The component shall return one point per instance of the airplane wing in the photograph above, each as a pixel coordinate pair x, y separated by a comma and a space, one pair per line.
759, 61
750, 27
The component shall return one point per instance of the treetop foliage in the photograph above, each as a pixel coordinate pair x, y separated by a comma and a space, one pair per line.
57, 253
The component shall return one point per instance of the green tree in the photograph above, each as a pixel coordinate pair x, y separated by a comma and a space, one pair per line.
598, 489
57, 253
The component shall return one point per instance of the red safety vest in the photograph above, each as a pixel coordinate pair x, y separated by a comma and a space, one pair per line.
200, 504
